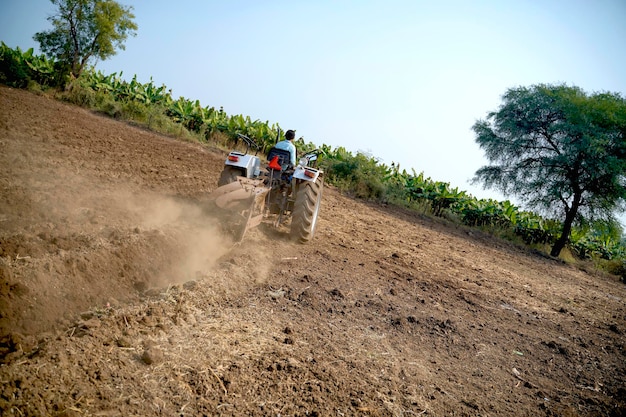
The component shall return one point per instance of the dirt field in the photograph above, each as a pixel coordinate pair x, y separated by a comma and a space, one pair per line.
120, 297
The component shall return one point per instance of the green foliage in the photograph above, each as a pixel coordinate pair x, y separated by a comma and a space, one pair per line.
601, 239
359, 174
18, 68
559, 150
121, 90
187, 113
487, 213
85, 29
13, 69
535, 229
440, 195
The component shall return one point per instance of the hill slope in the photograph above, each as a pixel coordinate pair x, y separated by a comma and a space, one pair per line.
119, 296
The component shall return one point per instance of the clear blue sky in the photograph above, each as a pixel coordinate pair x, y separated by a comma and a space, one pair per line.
401, 80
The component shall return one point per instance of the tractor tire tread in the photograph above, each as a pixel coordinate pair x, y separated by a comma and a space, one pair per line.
306, 210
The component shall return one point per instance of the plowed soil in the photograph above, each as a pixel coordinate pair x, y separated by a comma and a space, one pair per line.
121, 296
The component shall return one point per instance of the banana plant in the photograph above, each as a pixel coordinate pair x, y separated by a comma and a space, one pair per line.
42, 69
17, 67
183, 111
157, 95
215, 121
509, 212
532, 228
443, 197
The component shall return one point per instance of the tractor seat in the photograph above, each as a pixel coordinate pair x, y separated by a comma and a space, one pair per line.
283, 159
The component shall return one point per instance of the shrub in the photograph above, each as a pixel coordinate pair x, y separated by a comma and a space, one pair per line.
13, 69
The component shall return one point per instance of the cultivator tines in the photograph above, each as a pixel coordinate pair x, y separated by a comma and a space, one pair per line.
245, 198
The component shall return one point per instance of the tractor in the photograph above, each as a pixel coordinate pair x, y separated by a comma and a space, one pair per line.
249, 195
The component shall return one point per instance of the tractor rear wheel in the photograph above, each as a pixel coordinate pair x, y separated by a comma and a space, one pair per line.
229, 174
306, 209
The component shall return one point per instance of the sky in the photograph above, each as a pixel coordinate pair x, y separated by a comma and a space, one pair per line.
400, 80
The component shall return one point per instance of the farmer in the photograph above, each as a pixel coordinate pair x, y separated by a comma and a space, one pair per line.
288, 145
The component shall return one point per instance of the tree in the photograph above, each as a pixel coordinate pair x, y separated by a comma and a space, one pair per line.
559, 150
85, 29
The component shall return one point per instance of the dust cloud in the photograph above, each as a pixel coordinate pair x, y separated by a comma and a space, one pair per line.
166, 239
202, 251
190, 229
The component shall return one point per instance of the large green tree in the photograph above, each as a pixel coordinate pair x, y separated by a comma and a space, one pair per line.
86, 29
559, 150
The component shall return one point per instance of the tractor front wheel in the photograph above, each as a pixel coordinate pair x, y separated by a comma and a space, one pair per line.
306, 209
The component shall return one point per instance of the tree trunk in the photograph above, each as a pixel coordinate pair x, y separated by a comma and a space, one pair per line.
562, 240
570, 215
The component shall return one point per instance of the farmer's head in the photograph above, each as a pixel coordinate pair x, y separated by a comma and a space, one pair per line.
290, 134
